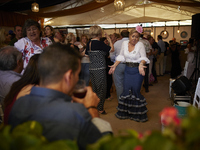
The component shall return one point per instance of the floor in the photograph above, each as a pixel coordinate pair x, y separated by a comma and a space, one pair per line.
157, 98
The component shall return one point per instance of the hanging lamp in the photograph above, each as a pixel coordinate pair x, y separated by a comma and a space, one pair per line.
151, 28
119, 5
165, 31
35, 7
178, 31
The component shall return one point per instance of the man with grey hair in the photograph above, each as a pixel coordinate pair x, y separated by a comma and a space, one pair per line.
11, 65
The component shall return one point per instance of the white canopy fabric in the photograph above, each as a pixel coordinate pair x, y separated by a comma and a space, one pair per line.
153, 12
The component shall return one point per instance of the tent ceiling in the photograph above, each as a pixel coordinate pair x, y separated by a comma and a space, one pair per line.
80, 12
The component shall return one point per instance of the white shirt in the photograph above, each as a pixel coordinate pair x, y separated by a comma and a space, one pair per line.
117, 47
28, 49
135, 56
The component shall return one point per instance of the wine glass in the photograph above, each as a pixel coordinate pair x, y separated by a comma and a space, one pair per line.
80, 89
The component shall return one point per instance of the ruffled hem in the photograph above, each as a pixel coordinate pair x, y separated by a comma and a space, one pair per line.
133, 117
130, 107
131, 97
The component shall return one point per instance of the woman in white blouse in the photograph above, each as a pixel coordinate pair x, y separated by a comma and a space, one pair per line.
132, 105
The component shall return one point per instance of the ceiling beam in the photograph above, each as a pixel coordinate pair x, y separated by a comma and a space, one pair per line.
77, 10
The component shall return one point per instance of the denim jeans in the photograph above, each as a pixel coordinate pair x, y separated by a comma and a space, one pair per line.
119, 78
85, 74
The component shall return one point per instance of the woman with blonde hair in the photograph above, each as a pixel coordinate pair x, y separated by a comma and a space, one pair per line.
70, 40
97, 51
132, 105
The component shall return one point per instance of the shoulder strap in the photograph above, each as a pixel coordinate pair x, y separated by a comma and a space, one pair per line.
90, 45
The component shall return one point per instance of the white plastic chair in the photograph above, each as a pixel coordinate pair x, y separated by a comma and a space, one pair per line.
170, 89
196, 101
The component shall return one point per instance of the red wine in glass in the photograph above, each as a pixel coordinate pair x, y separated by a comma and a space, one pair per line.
80, 89
80, 93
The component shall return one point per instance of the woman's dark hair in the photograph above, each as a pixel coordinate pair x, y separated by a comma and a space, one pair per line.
29, 23
103, 39
52, 29
30, 76
191, 41
160, 37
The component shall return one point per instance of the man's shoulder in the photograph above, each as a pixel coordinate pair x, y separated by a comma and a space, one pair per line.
61, 105
120, 41
9, 75
12, 42
139, 43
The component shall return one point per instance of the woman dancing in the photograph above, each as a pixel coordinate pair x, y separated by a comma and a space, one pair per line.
132, 105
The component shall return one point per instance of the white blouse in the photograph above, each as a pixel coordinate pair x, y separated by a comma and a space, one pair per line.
136, 56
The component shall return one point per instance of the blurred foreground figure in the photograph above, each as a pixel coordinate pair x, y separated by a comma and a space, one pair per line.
51, 104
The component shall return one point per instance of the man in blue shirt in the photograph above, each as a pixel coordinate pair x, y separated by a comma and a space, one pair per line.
160, 57
61, 116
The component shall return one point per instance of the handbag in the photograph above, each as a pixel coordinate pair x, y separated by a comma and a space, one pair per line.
151, 78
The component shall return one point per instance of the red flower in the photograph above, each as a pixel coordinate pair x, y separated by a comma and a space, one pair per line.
177, 120
169, 111
140, 135
169, 116
138, 147
148, 132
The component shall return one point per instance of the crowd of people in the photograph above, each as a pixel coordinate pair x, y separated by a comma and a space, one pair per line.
40, 68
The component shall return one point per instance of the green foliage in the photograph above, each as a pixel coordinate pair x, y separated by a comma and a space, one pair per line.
191, 129
157, 141
184, 135
28, 136
125, 142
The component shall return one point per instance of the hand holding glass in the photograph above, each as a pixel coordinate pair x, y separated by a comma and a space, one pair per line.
80, 89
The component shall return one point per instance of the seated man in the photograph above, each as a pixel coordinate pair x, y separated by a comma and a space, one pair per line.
61, 116
11, 65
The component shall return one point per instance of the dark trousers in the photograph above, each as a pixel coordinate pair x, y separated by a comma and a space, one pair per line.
99, 85
146, 78
109, 84
154, 69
